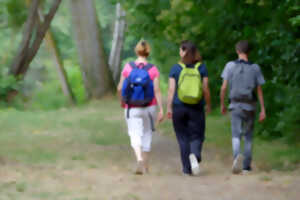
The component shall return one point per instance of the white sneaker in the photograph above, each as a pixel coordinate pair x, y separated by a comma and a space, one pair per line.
246, 172
194, 165
237, 164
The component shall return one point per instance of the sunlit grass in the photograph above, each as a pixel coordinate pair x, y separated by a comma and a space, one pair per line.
43, 136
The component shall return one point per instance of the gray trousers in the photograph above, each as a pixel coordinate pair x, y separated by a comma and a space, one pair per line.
242, 124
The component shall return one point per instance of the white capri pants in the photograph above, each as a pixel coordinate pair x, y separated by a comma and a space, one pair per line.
141, 126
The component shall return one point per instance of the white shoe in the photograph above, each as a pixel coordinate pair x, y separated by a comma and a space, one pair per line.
246, 172
194, 165
237, 165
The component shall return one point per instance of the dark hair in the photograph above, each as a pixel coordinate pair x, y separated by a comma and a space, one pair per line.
243, 47
191, 52
198, 57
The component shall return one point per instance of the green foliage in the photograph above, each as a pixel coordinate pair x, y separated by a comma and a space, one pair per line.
9, 87
283, 113
13, 13
106, 16
295, 19
7, 84
49, 95
75, 80
272, 27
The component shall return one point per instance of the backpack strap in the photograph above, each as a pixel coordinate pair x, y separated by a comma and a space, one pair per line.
182, 65
148, 66
197, 65
127, 113
133, 65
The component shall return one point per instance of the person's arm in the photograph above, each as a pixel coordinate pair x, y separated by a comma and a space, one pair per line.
206, 93
171, 92
222, 96
262, 114
158, 97
119, 88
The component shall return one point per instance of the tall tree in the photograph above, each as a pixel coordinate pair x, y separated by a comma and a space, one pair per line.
33, 36
94, 67
117, 43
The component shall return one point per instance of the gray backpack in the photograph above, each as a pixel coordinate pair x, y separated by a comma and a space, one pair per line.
243, 82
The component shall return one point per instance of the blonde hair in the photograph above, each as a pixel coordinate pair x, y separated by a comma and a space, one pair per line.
142, 48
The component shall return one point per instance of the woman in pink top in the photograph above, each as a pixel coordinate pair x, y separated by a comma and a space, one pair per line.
140, 120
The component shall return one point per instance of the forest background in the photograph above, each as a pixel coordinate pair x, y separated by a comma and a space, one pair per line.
271, 26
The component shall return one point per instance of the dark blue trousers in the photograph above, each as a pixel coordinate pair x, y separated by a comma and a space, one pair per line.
189, 126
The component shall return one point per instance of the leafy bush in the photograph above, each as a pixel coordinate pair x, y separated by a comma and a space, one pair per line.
9, 91
282, 107
7, 84
75, 80
48, 96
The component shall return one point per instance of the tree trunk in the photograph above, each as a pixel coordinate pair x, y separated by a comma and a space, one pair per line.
67, 90
117, 43
94, 67
28, 51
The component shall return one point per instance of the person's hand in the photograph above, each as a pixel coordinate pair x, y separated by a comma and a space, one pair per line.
223, 110
262, 116
160, 116
208, 109
169, 113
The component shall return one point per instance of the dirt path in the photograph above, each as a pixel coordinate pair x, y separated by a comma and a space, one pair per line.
216, 181
113, 179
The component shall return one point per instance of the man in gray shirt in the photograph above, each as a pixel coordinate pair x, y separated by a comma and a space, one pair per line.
244, 80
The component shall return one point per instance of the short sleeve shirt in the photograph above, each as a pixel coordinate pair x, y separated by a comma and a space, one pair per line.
153, 73
259, 80
175, 72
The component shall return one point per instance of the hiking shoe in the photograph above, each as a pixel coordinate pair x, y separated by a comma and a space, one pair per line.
246, 172
194, 164
139, 168
186, 174
237, 164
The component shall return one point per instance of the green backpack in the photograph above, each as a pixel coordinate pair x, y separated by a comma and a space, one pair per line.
190, 84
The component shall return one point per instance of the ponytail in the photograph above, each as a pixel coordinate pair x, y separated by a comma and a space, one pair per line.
142, 48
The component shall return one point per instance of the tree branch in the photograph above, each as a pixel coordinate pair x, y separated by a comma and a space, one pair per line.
42, 29
27, 35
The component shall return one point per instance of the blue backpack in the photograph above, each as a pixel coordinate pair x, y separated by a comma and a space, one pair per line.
138, 89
